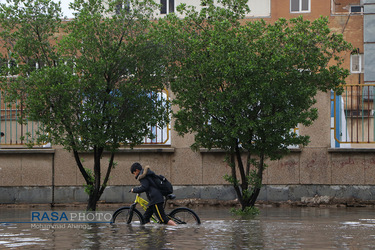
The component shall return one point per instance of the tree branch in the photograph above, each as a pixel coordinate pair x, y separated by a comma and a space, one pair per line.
110, 166
81, 168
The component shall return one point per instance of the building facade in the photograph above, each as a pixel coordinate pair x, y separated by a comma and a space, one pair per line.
338, 162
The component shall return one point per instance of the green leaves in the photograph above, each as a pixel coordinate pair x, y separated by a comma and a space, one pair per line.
29, 29
96, 86
251, 83
244, 88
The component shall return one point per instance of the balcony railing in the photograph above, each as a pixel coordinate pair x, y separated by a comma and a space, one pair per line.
353, 115
16, 134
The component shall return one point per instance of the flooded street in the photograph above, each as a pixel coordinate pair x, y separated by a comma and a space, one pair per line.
274, 228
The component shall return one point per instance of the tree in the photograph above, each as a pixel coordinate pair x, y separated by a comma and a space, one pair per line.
97, 85
244, 87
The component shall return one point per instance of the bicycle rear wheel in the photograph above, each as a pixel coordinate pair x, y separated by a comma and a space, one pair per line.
183, 215
127, 215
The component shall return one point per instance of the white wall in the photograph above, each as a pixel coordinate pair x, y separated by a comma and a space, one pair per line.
259, 8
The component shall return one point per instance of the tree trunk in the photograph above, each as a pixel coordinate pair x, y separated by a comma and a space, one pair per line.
93, 199
254, 197
234, 176
95, 194
256, 189
247, 200
97, 188
243, 187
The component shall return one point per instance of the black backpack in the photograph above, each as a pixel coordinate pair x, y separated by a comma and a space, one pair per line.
162, 184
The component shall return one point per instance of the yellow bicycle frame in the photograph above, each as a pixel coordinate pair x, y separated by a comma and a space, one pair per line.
139, 200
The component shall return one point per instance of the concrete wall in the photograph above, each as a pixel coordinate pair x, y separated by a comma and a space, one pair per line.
45, 175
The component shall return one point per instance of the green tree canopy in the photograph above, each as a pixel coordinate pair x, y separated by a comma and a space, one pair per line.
99, 79
245, 87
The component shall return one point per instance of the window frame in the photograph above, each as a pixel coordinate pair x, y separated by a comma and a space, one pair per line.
300, 4
360, 62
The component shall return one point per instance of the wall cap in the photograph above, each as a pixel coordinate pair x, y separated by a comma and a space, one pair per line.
26, 151
52, 151
351, 150
146, 150
219, 150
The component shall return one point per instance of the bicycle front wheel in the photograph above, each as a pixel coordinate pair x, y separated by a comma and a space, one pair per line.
183, 215
127, 215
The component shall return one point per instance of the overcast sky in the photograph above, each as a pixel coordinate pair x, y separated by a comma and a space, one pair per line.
64, 7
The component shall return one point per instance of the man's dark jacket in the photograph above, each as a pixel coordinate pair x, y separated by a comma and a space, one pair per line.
145, 177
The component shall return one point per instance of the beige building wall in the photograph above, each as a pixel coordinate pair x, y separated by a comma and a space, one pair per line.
315, 164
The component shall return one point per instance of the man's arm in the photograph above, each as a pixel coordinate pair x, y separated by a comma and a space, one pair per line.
143, 188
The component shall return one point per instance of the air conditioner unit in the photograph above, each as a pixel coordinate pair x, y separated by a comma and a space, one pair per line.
356, 9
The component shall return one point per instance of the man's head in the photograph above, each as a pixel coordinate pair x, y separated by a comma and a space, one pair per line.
136, 168
2, 134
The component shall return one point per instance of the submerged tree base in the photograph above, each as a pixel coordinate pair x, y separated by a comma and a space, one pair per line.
248, 211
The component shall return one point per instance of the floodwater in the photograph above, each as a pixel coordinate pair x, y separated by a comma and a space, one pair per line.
274, 228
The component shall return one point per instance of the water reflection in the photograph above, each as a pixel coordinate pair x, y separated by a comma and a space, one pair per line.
274, 228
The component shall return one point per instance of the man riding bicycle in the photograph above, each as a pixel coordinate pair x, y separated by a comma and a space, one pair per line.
156, 199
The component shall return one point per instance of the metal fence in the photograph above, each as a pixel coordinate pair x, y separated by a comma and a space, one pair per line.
16, 134
352, 115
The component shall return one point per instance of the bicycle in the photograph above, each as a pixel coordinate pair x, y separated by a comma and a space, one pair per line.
130, 214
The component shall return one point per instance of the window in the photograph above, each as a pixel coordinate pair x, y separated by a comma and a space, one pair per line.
299, 5
167, 6
161, 135
356, 65
122, 5
353, 116
8, 67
